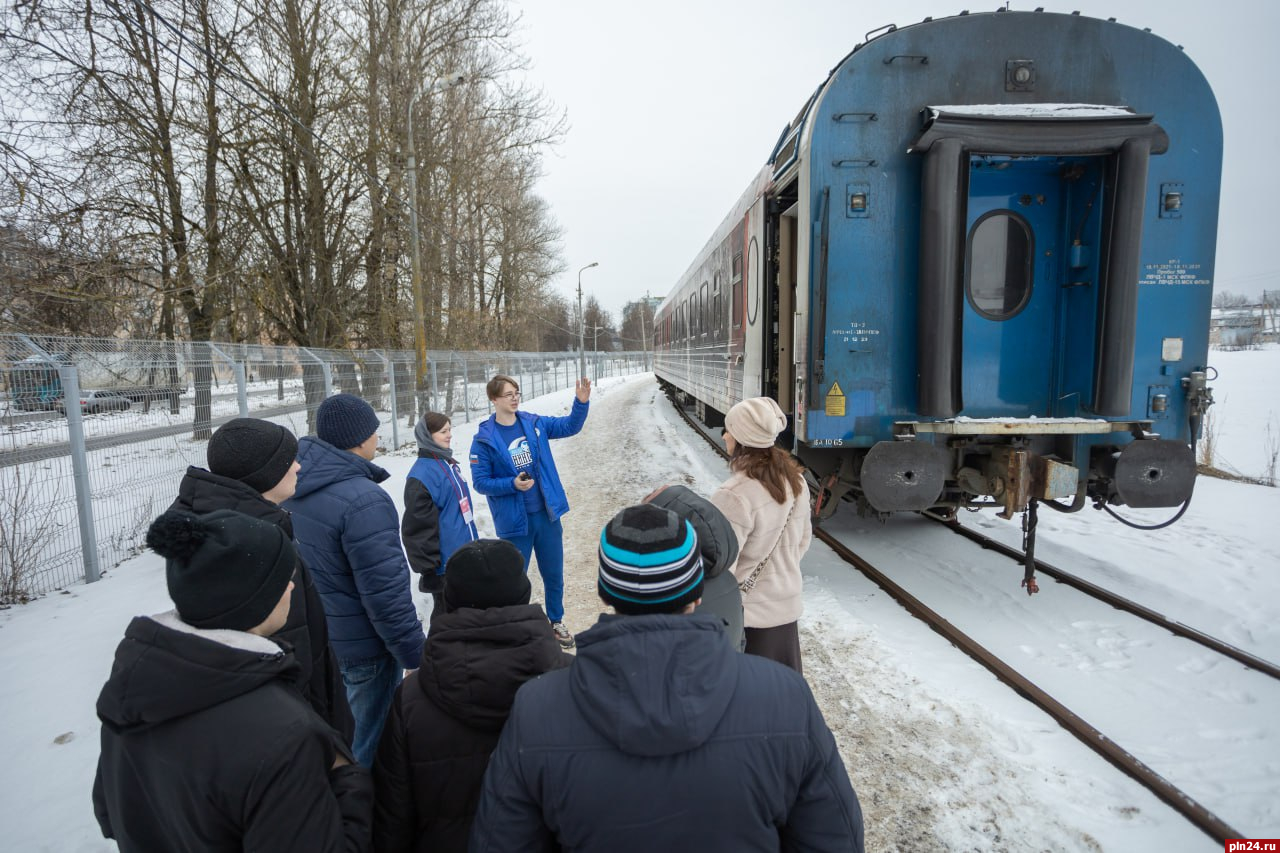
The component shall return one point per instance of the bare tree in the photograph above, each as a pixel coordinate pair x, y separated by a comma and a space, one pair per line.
1227, 299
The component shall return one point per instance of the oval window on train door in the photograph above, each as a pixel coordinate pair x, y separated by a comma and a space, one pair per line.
998, 266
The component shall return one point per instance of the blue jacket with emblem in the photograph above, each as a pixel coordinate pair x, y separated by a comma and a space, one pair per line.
434, 526
347, 529
494, 474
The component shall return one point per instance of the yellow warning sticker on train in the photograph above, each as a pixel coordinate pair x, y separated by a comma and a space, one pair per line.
835, 401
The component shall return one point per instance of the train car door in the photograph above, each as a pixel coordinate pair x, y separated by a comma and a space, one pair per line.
1012, 274
779, 298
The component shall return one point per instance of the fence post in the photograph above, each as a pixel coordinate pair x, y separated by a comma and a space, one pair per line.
466, 381
80, 470
391, 389
325, 370
237, 370
435, 387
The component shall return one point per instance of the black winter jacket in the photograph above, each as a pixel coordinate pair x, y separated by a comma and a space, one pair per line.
306, 631
661, 737
207, 746
446, 719
719, 545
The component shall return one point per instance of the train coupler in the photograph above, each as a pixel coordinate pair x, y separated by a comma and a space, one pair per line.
1029, 548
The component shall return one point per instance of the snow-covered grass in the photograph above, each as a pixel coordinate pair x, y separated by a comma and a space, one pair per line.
942, 755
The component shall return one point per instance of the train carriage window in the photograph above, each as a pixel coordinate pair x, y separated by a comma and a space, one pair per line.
999, 272
717, 306
736, 295
704, 307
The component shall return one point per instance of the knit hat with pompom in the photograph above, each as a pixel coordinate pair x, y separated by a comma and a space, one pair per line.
224, 569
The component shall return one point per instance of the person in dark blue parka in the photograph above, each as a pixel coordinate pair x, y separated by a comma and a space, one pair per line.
661, 736
348, 531
438, 515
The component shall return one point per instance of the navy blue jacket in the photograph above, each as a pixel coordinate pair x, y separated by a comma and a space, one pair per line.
347, 529
494, 474
433, 526
660, 736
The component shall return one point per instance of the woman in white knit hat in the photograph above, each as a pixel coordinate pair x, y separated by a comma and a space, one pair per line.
768, 505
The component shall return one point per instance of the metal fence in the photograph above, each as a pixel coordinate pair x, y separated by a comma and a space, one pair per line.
95, 433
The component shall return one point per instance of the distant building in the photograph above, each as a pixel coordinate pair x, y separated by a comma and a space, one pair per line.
1246, 325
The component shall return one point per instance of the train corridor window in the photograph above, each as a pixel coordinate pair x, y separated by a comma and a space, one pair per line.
999, 270
717, 306
704, 307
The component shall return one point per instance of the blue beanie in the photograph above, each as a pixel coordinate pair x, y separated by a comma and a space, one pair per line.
345, 421
649, 562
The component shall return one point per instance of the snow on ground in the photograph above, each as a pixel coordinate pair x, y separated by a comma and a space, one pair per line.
942, 755
1245, 421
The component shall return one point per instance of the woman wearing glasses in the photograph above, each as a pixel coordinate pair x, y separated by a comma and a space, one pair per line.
511, 464
438, 516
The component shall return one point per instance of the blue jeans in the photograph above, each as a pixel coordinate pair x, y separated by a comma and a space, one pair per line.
545, 539
371, 685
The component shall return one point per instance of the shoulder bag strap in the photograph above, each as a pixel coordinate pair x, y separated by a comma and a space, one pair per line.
750, 583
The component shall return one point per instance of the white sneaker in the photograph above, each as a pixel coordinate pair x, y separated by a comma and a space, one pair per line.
563, 635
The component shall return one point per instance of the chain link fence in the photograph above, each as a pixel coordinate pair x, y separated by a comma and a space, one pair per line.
95, 433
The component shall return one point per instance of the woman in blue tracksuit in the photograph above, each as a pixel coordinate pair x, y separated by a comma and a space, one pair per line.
511, 465
438, 516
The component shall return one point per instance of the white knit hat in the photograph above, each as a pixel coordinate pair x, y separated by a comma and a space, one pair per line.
755, 422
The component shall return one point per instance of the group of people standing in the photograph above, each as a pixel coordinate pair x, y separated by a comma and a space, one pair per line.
291, 701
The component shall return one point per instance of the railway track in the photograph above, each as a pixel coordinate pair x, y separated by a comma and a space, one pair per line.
1178, 629
1125, 761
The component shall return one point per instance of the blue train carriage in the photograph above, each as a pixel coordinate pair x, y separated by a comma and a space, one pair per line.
977, 269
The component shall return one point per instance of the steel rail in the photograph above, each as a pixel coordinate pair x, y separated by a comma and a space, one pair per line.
1124, 761
1117, 601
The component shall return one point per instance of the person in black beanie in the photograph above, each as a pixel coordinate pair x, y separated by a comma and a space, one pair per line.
447, 716
206, 743
253, 468
348, 530
660, 735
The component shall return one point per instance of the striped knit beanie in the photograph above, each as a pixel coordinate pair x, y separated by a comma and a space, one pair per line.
650, 561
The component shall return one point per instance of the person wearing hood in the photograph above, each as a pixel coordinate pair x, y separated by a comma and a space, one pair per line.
512, 466
720, 593
348, 531
446, 717
206, 743
660, 736
253, 468
438, 516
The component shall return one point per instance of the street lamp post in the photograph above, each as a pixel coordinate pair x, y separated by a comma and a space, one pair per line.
644, 332
595, 352
419, 294
582, 319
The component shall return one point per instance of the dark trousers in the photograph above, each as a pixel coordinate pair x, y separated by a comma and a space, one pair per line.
780, 643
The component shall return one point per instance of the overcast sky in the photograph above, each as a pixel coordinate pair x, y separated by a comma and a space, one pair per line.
674, 106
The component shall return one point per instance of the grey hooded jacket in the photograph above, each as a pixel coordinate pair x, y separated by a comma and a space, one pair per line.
720, 594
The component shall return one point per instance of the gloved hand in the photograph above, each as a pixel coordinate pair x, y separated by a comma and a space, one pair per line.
431, 583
